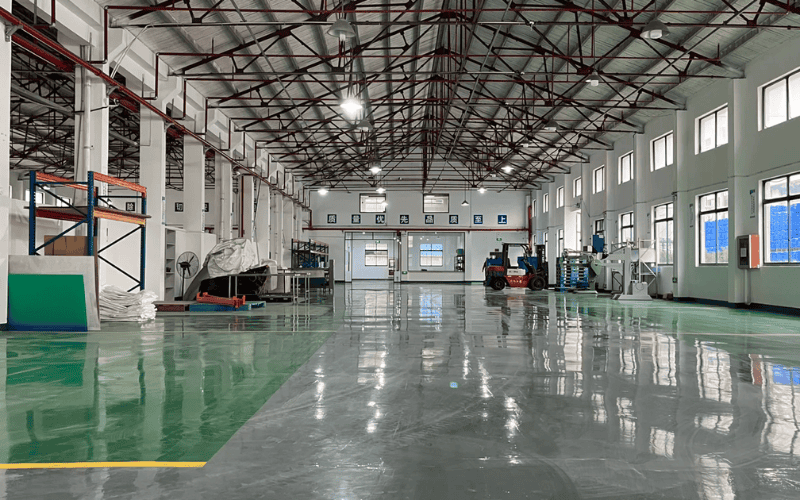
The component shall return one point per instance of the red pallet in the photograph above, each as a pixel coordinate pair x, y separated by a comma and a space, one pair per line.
205, 298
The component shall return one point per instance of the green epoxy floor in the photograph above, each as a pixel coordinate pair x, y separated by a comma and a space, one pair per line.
174, 390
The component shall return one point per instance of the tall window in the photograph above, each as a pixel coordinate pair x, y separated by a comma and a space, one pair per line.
782, 220
376, 254
780, 100
663, 229
626, 232
626, 168
373, 203
578, 238
546, 203
577, 187
546, 246
713, 222
533, 209
560, 197
661, 153
560, 242
431, 255
713, 129
600, 228
599, 179
435, 203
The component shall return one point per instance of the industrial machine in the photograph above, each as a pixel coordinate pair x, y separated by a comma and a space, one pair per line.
530, 271
630, 264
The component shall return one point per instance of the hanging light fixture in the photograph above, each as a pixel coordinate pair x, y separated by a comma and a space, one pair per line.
508, 169
351, 106
481, 190
323, 191
551, 125
364, 125
375, 168
654, 30
465, 203
594, 79
342, 29
381, 189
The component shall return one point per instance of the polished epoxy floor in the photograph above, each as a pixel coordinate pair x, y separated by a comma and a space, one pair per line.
423, 391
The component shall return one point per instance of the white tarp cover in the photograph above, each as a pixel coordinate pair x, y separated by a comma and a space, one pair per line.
118, 305
232, 257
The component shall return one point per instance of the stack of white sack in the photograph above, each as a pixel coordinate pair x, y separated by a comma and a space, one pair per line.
118, 305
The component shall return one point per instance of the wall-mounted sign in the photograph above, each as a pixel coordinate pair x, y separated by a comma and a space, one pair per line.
355, 219
205, 207
502, 219
405, 219
380, 218
429, 219
331, 218
477, 219
178, 206
454, 219
752, 203
130, 206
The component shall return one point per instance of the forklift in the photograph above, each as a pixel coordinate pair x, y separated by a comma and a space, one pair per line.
529, 272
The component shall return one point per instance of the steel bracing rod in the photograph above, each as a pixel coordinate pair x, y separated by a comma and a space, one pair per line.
55, 46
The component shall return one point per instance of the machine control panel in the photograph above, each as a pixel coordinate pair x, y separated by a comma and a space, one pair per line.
748, 251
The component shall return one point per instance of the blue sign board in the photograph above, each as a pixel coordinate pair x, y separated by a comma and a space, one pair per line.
454, 219
331, 218
477, 219
502, 219
405, 219
355, 219
380, 218
429, 219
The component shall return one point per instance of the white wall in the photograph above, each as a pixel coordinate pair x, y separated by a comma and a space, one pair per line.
479, 238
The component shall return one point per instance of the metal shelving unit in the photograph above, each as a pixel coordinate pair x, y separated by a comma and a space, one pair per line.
313, 257
97, 207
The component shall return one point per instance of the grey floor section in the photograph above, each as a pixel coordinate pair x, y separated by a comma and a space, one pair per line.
459, 392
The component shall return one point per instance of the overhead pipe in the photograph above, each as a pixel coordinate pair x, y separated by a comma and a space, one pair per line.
78, 61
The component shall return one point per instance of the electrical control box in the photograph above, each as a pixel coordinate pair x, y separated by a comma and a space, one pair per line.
748, 251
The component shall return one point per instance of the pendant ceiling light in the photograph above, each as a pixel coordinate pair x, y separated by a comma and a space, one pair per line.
381, 190
351, 106
375, 168
551, 125
481, 190
364, 125
594, 79
323, 191
654, 30
342, 29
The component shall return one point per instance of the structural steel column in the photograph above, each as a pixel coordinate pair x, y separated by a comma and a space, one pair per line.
153, 176
5, 134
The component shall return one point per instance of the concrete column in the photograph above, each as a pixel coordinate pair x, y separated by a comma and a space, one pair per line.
5, 145
153, 176
194, 195
738, 193
194, 185
281, 231
223, 186
248, 215
262, 219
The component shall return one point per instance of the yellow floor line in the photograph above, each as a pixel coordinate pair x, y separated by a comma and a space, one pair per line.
88, 465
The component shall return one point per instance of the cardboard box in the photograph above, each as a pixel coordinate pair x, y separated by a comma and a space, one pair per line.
67, 245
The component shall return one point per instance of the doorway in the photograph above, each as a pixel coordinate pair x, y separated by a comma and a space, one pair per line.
368, 255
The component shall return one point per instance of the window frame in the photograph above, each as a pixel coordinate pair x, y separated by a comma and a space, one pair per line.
370, 195
669, 219
667, 151
560, 197
602, 170
440, 252
577, 187
546, 203
629, 154
763, 99
446, 198
560, 241
533, 208
699, 232
699, 134
601, 232
376, 255
764, 202
622, 227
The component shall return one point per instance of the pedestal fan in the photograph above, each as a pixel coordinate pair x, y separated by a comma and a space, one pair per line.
187, 265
